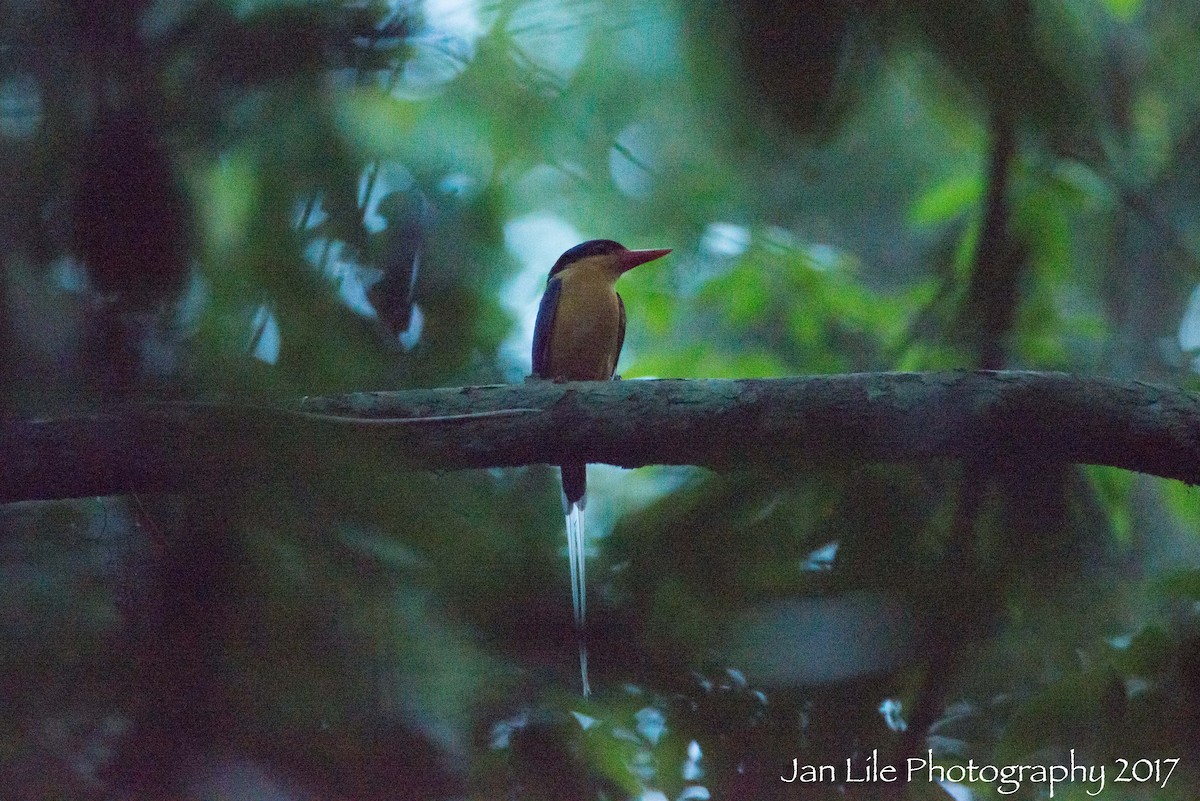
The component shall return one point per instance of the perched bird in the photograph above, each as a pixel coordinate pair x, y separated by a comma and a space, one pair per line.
578, 337
581, 325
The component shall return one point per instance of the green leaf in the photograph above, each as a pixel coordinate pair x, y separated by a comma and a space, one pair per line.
375, 122
947, 200
1184, 585
1124, 10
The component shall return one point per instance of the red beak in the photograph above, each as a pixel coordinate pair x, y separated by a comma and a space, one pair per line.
632, 258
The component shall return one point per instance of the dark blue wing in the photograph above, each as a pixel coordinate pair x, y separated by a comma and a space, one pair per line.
620, 331
543, 328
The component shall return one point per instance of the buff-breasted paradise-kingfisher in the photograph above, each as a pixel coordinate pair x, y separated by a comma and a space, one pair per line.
578, 336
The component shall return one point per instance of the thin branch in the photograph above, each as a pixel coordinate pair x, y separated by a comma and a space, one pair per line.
993, 297
780, 424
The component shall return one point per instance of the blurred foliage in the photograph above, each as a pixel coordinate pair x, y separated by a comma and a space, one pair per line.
261, 199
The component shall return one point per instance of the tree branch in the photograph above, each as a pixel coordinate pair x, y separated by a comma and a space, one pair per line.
782, 423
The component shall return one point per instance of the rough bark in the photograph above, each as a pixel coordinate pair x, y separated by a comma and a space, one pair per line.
771, 423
